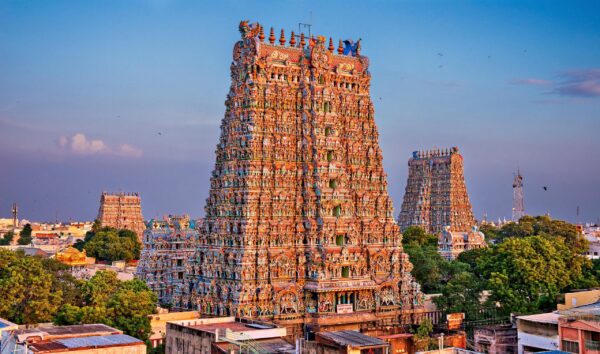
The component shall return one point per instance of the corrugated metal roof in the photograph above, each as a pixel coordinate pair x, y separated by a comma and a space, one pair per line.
97, 341
551, 317
352, 338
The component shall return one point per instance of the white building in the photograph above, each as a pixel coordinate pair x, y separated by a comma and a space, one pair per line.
537, 333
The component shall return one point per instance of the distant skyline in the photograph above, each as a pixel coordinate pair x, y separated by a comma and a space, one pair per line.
128, 96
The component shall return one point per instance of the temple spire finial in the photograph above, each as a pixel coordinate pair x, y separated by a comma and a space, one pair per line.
293, 39
261, 34
302, 40
272, 36
282, 38
340, 48
331, 46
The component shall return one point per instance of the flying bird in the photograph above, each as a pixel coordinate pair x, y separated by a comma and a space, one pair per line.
159, 133
545, 188
441, 54
440, 66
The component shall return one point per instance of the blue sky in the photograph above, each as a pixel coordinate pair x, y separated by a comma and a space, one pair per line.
86, 86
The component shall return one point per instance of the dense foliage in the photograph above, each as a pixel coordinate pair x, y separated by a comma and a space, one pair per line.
526, 267
33, 290
25, 235
109, 244
7, 238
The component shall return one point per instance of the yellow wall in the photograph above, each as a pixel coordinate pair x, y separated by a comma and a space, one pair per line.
579, 298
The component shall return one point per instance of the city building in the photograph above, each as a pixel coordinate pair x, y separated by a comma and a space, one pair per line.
6, 327
80, 339
348, 342
579, 329
168, 244
158, 323
436, 193
299, 225
122, 211
199, 336
496, 339
453, 243
537, 332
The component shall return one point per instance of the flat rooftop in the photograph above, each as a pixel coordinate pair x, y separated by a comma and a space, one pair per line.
550, 317
352, 338
233, 326
69, 331
112, 340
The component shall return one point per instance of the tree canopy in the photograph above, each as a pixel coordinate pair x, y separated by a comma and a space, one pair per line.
109, 244
25, 235
34, 289
527, 265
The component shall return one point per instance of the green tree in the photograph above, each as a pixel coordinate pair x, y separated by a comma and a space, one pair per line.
122, 304
526, 274
416, 235
25, 235
7, 238
27, 295
109, 244
461, 294
428, 266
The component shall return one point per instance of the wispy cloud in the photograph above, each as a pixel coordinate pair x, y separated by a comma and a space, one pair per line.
573, 83
79, 144
580, 83
531, 82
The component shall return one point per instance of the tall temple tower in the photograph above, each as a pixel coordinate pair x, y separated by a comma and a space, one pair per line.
299, 226
436, 194
122, 211
518, 210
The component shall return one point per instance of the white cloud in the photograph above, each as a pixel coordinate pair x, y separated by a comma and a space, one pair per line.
79, 144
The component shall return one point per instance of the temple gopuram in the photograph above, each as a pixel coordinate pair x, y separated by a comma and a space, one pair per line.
168, 244
436, 195
299, 227
122, 211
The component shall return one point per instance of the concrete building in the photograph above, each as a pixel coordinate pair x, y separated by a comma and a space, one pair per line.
496, 339
347, 342
158, 323
537, 332
79, 339
198, 336
579, 329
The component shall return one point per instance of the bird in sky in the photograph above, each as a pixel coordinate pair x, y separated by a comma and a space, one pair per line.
441, 54
159, 133
545, 188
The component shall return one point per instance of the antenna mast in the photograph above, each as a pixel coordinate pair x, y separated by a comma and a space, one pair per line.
518, 210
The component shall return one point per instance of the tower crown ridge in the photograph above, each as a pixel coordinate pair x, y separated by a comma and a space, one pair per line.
254, 30
427, 154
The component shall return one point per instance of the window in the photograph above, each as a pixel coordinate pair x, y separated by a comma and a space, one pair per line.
569, 346
327, 131
337, 210
332, 183
330, 155
346, 272
339, 240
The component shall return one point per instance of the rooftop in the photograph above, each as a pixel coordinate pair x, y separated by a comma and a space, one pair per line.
68, 331
551, 317
84, 342
352, 338
274, 345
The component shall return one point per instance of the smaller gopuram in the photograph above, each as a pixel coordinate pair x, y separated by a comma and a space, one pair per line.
72, 257
122, 211
453, 243
436, 194
168, 244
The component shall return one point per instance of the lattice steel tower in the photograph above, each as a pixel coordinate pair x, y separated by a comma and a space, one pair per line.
15, 215
518, 210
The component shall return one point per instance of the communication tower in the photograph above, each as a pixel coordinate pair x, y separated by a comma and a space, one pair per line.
518, 210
